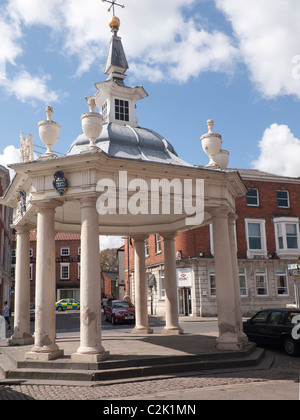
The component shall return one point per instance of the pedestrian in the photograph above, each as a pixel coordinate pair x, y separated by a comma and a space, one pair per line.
6, 314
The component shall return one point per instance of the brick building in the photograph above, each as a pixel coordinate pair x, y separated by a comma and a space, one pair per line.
267, 238
67, 257
5, 241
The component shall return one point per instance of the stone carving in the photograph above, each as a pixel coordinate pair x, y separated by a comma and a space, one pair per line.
26, 148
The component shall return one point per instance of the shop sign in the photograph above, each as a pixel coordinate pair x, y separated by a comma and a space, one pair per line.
184, 277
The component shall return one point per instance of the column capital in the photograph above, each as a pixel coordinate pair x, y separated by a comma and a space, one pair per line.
46, 205
232, 217
88, 201
219, 212
22, 228
140, 237
168, 235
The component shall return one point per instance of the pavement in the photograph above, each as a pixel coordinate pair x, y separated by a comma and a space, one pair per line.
275, 377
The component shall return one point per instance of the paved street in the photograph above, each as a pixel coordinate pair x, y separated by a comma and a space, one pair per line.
281, 381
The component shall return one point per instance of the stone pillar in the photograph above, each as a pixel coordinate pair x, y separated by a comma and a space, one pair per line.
21, 335
45, 347
91, 349
171, 290
236, 281
228, 329
141, 295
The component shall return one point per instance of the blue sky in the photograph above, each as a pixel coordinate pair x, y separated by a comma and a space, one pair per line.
235, 61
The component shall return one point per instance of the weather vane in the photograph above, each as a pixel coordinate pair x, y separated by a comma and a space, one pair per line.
113, 4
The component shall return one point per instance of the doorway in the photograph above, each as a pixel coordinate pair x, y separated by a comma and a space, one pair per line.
185, 301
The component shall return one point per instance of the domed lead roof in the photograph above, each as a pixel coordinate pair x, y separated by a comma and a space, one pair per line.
124, 141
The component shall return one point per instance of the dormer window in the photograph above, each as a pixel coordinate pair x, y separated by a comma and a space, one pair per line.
121, 110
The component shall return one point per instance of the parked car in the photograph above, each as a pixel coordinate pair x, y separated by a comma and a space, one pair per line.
65, 304
275, 327
32, 311
119, 311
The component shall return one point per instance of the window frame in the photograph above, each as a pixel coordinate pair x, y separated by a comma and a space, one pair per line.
282, 247
121, 110
64, 265
157, 243
212, 282
162, 290
256, 252
261, 272
287, 199
66, 248
243, 275
257, 197
286, 280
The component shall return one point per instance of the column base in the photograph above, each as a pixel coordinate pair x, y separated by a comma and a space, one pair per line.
172, 331
232, 343
34, 355
243, 339
90, 358
142, 330
24, 340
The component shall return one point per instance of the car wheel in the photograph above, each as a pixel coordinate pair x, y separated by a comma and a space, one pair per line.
60, 309
291, 347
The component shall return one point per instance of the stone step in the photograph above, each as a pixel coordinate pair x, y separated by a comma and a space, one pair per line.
138, 370
67, 363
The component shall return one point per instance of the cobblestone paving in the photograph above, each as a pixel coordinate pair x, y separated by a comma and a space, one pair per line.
284, 368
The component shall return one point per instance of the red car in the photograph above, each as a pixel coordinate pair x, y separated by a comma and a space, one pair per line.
119, 311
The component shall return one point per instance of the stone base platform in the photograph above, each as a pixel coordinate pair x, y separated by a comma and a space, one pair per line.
130, 357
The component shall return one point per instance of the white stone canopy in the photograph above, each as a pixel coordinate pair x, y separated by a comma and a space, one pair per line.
127, 163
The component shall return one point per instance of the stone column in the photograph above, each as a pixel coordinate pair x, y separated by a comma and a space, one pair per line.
141, 295
171, 290
45, 347
228, 329
21, 335
236, 281
91, 349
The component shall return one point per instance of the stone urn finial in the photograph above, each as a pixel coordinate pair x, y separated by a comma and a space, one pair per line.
92, 123
91, 104
49, 133
49, 112
210, 125
211, 144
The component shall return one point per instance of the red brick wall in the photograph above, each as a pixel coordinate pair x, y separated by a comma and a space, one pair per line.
196, 241
267, 209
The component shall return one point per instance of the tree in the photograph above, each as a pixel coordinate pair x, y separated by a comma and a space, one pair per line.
109, 260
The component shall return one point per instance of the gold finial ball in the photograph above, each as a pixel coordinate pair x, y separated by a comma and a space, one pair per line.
114, 22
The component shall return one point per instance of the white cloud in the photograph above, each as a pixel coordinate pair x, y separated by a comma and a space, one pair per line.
110, 242
10, 155
279, 152
158, 36
28, 88
268, 33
